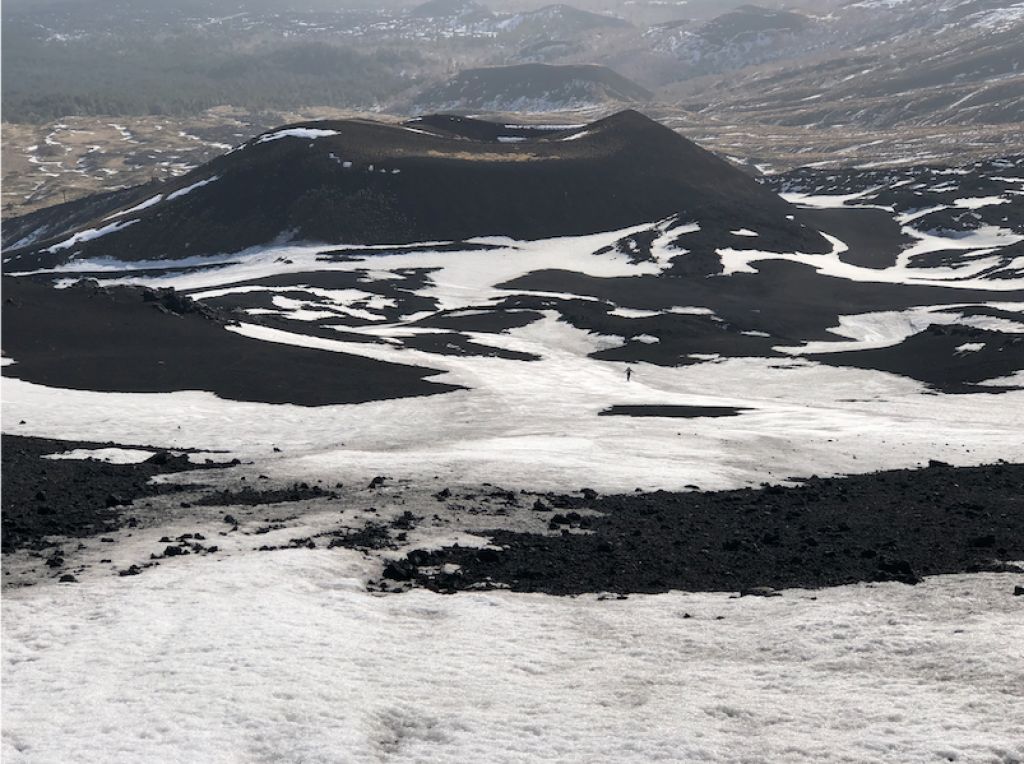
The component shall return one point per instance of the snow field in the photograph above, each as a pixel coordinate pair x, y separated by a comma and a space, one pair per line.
534, 425
284, 657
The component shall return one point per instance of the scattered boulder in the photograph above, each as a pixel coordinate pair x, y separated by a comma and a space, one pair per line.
399, 571
760, 591
897, 570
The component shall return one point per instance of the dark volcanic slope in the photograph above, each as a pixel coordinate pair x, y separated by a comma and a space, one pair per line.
895, 525
120, 341
363, 182
73, 497
949, 358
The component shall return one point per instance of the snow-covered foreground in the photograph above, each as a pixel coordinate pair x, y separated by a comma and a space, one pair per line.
285, 657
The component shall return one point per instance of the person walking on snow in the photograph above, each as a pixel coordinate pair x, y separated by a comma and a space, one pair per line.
629, 373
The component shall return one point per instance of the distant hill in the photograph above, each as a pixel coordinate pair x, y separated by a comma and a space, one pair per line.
560, 20
747, 35
870, 63
465, 10
530, 88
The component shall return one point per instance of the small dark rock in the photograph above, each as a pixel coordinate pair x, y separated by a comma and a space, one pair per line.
398, 571
67, 578
897, 570
418, 557
487, 555
760, 591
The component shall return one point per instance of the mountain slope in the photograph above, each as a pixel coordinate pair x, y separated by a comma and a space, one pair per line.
868, 64
443, 178
530, 88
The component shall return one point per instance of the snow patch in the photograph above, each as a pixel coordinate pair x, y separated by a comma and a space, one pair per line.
90, 234
970, 347
296, 132
138, 207
189, 189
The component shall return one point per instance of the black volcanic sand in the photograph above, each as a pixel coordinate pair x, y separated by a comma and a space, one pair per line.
873, 236
678, 412
251, 497
790, 302
115, 340
897, 525
75, 497
932, 357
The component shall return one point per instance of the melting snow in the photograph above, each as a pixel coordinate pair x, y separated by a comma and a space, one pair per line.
868, 331
138, 207
189, 189
296, 132
90, 234
109, 455
977, 202
970, 347
968, 276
